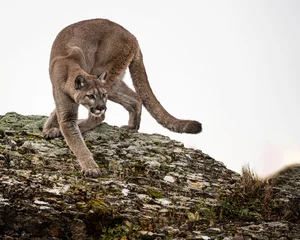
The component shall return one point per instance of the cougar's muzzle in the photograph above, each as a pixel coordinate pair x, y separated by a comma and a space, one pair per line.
98, 111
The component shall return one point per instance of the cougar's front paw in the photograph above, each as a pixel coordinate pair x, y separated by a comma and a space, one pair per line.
94, 173
52, 133
90, 168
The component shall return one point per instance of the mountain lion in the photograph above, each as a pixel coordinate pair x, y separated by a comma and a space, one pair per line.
87, 63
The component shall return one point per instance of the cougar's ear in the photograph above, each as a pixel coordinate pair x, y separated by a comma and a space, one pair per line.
102, 77
79, 82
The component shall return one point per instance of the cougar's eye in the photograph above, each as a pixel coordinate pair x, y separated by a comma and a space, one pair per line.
91, 96
104, 94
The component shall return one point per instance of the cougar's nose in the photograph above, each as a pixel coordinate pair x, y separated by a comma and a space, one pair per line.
100, 108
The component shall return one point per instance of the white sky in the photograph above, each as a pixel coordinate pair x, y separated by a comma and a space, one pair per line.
232, 65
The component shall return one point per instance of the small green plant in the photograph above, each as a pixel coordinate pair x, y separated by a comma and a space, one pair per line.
207, 212
202, 214
154, 193
89, 144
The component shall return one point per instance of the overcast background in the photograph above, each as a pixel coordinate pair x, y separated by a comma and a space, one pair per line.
232, 65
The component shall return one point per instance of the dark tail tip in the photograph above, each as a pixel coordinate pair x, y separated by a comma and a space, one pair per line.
193, 127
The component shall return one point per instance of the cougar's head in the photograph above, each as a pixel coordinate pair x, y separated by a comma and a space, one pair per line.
90, 92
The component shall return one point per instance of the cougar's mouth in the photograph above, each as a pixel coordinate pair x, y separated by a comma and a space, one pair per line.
97, 112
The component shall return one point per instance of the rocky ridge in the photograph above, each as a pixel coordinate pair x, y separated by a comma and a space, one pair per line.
152, 187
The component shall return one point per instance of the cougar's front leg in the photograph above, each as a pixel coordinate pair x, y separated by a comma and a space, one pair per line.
67, 114
90, 123
51, 127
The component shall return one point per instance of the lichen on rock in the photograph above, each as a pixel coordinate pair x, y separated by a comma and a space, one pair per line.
152, 187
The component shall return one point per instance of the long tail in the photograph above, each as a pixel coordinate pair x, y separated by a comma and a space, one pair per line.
142, 87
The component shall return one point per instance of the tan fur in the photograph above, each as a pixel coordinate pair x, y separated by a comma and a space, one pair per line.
79, 54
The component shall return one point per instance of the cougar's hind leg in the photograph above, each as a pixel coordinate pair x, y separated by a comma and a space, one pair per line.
120, 93
51, 127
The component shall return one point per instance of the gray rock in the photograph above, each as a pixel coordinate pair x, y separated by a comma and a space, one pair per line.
151, 188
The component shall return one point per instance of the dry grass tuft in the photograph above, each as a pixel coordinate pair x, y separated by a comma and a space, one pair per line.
256, 187
251, 183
